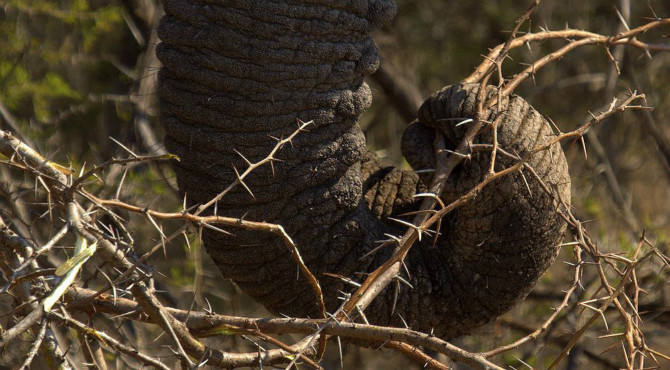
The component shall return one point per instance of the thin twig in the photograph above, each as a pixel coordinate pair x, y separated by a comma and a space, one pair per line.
103, 337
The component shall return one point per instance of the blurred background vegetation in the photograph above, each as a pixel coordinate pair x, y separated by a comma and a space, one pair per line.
74, 73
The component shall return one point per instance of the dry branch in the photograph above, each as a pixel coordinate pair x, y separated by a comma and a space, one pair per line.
204, 324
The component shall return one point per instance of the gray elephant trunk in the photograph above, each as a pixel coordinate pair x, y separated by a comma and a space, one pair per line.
239, 74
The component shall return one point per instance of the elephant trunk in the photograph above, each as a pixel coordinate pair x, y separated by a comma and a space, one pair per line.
240, 73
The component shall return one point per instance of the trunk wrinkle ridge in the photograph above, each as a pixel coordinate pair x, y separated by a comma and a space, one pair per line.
238, 72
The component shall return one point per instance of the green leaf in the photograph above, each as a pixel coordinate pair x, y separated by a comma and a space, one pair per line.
54, 85
221, 330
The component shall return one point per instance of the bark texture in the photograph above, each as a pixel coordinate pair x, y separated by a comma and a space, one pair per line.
237, 73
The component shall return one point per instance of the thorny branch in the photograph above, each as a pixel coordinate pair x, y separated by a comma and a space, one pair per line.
102, 336
67, 194
204, 324
35, 162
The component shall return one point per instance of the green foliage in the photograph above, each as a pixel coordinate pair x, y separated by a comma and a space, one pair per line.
50, 51
592, 206
105, 21
42, 92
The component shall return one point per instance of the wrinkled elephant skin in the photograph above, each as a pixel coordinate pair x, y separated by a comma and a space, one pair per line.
239, 72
